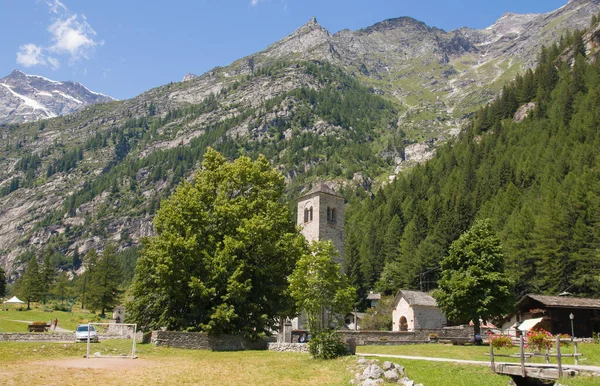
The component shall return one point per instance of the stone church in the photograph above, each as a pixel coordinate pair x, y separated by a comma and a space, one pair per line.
321, 217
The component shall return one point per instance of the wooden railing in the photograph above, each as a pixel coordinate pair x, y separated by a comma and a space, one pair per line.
526, 355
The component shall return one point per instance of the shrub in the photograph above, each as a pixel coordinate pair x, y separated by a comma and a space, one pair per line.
500, 341
326, 345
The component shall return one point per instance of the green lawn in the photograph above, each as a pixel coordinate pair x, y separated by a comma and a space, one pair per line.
439, 373
590, 351
67, 320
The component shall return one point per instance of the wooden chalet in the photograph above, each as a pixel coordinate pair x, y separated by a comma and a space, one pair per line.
554, 313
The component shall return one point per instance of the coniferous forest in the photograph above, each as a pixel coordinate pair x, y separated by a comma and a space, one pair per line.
537, 180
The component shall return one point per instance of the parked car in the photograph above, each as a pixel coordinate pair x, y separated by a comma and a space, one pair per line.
81, 333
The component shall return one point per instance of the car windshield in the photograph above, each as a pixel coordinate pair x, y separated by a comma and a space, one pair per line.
84, 329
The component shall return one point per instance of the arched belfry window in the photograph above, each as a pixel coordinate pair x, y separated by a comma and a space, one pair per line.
331, 214
308, 214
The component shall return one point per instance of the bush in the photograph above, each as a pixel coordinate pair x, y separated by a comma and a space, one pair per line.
326, 345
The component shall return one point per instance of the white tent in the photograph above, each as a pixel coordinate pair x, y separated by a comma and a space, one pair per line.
14, 300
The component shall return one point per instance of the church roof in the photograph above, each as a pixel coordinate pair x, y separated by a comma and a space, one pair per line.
321, 187
415, 298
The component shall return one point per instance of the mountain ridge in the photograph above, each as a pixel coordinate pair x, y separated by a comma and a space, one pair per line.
99, 173
27, 98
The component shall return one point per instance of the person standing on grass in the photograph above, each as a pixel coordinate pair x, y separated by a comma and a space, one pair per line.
55, 323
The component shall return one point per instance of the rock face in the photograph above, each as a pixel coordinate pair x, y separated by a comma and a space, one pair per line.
189, 76
435, 80
26, 98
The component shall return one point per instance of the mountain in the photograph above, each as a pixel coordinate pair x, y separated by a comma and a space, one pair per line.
353, 108
27, 98
528, 162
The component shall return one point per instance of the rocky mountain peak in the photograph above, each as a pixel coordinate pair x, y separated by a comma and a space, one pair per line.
305, 39
189, 76
26, 98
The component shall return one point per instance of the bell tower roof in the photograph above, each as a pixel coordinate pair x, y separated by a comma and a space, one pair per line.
321, 187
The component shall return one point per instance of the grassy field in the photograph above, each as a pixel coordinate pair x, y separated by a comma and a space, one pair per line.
591, 352
67, 320
438, 373
54, 363
44, 364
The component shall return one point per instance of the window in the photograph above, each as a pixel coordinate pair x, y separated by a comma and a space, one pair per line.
308, 214
331, 214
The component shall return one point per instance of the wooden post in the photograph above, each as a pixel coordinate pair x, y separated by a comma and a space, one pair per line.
492, 362
576, 352
547, 357
522, 344
558, 358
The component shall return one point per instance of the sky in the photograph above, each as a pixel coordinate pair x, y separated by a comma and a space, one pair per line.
125, 47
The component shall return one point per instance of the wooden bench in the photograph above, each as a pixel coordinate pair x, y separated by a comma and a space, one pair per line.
38, 327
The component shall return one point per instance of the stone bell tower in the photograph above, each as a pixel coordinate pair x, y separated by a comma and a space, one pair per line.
321, 217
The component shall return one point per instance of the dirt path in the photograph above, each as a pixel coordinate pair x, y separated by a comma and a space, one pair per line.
115, 364
58, 329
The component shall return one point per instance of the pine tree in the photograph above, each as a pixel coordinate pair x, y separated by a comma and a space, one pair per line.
30, 286
90, 262
48, 274
104, 291
2, 283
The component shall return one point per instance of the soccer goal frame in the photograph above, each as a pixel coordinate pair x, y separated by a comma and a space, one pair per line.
133, 338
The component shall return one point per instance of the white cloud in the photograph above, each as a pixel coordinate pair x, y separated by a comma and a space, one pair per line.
254, 3
55, 6
30, 55
71, 35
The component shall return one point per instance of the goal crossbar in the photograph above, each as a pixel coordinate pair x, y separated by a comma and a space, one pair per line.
132, 356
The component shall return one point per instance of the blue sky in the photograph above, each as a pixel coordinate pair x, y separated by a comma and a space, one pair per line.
125, 47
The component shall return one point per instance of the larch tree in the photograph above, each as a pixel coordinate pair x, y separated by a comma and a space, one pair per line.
2, 283
30, 286
104, 290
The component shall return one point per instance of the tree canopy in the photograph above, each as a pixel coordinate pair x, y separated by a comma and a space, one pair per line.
473, 284
224, 248
320, 288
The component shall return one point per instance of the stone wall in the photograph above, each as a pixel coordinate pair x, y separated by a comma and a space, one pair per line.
54, 337
203, 341
289, 347
459, 334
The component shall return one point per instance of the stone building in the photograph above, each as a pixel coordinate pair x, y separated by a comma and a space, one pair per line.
415, 310
321, 216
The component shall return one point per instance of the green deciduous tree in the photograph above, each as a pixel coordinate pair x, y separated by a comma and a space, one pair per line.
379, 318
29, 286
473, 283
320, 288
224, 248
